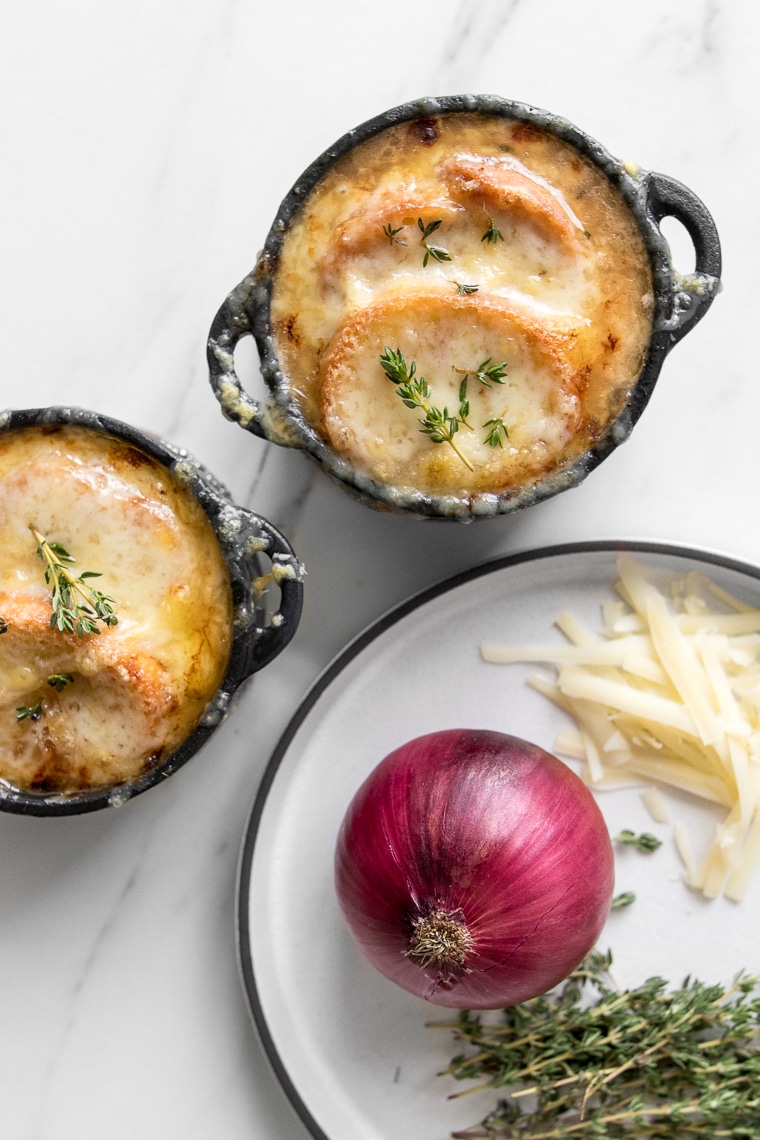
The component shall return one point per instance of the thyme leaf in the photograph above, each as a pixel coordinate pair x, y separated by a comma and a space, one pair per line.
436, 253
624, 899
415, 392
588, 1059
464, 404
76, 607
465, 290
426, 229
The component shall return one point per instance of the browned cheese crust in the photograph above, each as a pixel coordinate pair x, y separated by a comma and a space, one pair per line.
139, 688
563, 296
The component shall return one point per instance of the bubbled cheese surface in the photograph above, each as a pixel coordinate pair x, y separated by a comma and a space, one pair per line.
140, 687
563, 297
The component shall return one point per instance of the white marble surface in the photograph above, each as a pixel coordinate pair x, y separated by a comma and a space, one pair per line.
145, 148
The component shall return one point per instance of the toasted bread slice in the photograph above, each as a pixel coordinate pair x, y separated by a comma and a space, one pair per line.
446, 335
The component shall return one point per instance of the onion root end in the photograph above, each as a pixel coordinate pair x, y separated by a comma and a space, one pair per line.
440, 940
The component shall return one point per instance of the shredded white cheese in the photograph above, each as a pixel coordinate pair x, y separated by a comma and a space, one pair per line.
667, 692
656, 804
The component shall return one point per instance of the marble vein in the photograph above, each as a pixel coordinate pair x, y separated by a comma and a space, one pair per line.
474, 36
56, 1054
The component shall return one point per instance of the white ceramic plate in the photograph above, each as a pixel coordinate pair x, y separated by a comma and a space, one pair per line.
353, 1052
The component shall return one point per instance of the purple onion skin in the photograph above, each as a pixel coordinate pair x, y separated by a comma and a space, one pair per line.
491, 828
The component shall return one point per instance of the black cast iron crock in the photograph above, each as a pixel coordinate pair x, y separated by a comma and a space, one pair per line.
680, 302
250, 546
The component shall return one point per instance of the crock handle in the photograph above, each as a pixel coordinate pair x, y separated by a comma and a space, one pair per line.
694, 292
230, 324
265, 642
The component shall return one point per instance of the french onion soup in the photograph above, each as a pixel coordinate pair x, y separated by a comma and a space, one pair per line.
115, 610
462, 305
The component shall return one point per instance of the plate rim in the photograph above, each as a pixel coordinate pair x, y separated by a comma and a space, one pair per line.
322, 683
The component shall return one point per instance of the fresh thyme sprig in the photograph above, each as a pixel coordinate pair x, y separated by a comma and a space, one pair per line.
644, 842
434, 251
465, 290
644, 1062
29, 712
624, 899
486, 372
415, 392
498, 432
464, 404
391, 232
492, 234
77, 607
59, 681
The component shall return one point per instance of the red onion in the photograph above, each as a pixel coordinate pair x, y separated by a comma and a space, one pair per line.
474, 869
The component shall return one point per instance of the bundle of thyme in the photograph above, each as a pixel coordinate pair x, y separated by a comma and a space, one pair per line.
590, 1060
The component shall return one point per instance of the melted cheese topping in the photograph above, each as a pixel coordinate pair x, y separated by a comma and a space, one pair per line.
564, 297
140, 687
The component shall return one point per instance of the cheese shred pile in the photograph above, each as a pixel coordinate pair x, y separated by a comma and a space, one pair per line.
667, 692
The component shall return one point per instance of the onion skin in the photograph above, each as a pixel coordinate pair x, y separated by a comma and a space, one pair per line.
492, 831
